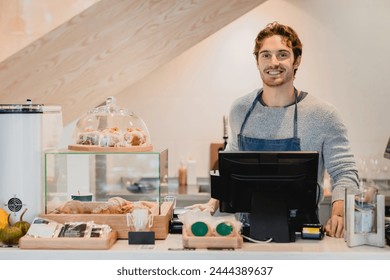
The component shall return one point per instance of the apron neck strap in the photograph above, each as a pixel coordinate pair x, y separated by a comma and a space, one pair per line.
296, 114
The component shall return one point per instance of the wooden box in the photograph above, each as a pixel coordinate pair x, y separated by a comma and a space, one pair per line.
118, 222
212, 242
28, 242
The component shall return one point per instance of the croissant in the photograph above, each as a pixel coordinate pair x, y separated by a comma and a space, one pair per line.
72, 207
114, 205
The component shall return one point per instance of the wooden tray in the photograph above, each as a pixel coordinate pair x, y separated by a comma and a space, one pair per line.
118, 221
98, 243
94, 148
211, 242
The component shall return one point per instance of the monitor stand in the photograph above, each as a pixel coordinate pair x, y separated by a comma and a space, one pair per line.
269, 219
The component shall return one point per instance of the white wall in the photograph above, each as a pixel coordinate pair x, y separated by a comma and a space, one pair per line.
346, 58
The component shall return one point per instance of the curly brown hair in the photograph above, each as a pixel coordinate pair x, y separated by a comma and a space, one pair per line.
288, 34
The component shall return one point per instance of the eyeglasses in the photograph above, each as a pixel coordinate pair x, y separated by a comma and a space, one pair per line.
267, 55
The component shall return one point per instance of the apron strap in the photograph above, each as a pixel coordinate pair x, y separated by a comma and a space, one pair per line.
296, 114
251, 109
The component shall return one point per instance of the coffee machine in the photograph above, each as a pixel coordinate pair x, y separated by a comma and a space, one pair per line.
26, 130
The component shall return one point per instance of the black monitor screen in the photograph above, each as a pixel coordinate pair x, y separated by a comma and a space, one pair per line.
278, 189
387, 151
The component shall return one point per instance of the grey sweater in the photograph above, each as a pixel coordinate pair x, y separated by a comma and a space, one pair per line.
320, 128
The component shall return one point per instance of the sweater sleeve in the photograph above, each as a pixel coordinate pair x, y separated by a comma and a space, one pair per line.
232, 144
338, 158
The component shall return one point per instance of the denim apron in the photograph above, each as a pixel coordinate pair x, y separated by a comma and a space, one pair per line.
255, 144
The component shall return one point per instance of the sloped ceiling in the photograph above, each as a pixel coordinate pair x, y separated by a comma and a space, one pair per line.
108, 47
24, 21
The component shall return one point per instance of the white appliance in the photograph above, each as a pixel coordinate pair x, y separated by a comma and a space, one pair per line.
26, 130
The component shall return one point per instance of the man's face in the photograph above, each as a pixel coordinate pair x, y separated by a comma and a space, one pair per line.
276, 62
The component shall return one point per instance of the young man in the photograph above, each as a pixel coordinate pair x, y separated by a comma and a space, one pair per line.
279, 117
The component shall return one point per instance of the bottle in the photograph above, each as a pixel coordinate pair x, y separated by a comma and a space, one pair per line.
191, 172
182, 174
225, 131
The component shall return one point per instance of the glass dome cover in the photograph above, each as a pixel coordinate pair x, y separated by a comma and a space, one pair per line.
111, 127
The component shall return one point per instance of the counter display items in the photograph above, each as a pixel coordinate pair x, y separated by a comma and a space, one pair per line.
90, 182
202, 230
117, 167
47, 234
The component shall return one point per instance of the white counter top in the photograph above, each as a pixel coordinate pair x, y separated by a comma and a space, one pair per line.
172, 249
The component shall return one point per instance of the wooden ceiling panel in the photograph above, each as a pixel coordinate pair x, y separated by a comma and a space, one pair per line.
109, 46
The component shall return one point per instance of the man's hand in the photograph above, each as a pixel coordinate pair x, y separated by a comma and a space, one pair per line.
335, 225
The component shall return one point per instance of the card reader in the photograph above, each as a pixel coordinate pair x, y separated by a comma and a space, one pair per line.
312, 231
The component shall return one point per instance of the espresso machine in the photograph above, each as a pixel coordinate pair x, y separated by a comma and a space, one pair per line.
26, 130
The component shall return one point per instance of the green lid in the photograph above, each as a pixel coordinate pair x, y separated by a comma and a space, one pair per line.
199, 229
224, 229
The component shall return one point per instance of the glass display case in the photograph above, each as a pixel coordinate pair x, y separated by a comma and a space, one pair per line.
109, 127
133, 176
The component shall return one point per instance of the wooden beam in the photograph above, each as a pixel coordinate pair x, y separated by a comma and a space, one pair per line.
108, 47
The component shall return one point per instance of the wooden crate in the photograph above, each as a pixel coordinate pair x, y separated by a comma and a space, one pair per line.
64, 243
212, 242
118, 222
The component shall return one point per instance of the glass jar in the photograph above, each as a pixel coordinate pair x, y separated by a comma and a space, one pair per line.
365, 209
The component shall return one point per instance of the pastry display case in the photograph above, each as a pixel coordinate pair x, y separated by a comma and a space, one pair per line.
108, 171
108, 179
110, 155
133, 176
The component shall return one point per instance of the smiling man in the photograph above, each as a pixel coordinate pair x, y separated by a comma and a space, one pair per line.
279, 117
